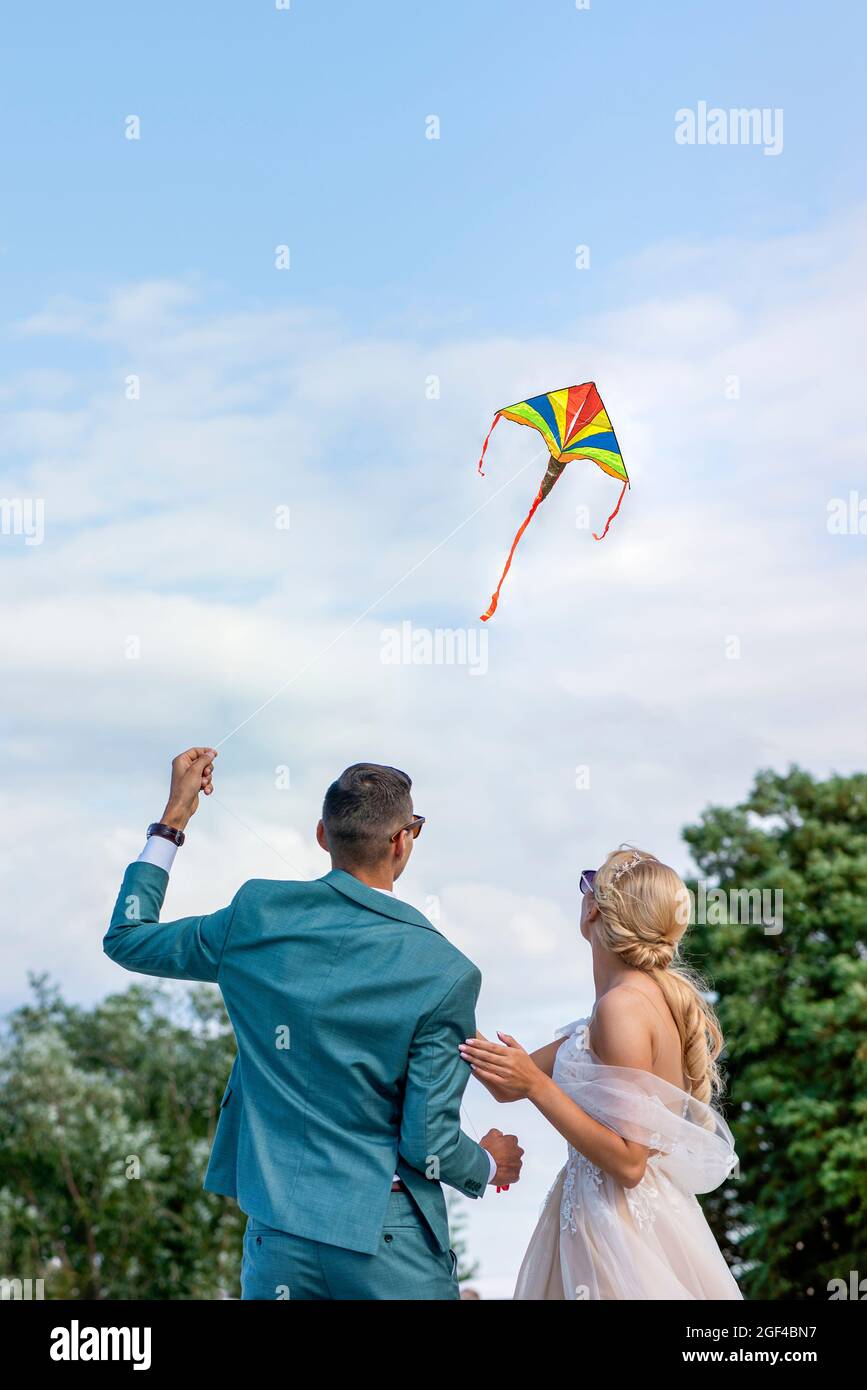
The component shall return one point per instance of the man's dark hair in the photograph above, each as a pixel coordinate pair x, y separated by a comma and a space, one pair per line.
363, 808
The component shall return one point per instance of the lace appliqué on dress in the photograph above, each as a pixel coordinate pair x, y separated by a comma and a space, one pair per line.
583, 1180
643, 1202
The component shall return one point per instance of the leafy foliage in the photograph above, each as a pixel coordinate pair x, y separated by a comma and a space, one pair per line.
106, 1119
793, 1006
106, 1122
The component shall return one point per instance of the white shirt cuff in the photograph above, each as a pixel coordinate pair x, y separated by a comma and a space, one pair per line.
158, 851
493, 1164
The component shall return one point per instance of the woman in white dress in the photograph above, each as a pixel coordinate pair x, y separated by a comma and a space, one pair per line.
630, 1089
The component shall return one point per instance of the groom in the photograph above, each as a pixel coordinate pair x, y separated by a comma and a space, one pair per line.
341, 1117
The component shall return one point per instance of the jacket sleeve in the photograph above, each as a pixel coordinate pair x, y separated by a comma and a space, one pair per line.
189, 949
431, 1139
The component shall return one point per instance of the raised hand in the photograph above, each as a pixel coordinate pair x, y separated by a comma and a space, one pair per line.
192, 772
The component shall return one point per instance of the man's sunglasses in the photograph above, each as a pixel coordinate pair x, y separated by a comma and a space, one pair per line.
414, 828
586, 881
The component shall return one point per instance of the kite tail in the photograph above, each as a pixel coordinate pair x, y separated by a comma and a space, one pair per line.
495, 597
485, 445
613, 514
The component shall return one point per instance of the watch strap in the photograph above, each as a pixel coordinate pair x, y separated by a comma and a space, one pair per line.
167, 832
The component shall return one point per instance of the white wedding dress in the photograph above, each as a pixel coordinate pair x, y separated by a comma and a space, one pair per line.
599, 1240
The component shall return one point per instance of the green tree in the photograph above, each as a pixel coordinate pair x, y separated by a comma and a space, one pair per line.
793, 1007
106, 1122
106, 1119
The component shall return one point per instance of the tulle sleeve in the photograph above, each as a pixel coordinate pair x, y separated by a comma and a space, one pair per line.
567, 1029
693, 1139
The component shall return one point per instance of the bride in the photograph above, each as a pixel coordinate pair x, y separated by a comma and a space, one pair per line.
630, 1089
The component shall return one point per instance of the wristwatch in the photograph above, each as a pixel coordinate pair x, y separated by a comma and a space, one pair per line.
167, 832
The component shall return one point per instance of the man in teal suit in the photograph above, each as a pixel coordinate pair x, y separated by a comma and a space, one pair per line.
341, 1116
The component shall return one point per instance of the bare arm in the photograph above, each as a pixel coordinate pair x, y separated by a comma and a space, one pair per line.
620, 1039
544, 1056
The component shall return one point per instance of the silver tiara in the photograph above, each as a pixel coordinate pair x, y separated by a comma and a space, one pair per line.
626, 867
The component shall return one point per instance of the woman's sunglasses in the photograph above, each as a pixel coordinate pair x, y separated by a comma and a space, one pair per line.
414, 828
586, 881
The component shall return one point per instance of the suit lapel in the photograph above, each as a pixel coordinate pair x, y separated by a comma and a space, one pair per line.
381, 903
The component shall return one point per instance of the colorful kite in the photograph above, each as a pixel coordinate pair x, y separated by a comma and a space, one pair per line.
574, 425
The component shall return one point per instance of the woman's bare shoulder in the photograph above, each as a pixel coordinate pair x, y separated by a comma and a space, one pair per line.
621, 1030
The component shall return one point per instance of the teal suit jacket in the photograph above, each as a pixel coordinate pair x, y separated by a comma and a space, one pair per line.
348, 1007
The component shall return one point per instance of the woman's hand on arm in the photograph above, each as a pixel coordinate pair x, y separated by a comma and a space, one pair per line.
543, 1058
620, 1038
506, 1069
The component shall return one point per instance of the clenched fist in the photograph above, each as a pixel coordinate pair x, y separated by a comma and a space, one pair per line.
507, 1155
191, 774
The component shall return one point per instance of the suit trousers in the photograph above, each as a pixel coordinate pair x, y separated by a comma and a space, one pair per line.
407, 1265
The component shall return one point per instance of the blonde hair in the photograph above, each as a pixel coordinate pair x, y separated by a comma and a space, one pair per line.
643, 913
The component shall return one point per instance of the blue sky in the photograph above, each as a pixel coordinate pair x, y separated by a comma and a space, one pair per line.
723, 318
307, 127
